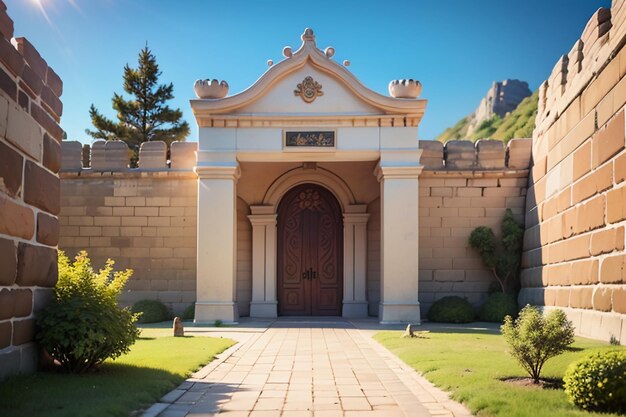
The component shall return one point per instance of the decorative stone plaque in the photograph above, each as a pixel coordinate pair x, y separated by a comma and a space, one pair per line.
308, 89
317, 139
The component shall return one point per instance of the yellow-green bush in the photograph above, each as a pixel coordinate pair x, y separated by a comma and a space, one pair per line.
597, 382
83, 325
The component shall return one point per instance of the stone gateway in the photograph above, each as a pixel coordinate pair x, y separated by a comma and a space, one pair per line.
308, 194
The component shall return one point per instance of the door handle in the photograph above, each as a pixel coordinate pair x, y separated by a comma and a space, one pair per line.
309, 274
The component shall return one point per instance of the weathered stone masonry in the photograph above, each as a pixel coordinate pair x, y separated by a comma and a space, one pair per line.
30, 158
145, 218
574, 244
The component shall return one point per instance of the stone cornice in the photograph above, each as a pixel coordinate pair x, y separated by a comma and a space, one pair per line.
262, 219
397, 172
88, 174
218, 172
320, 120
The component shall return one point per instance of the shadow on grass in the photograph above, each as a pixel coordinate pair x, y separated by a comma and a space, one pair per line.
545, 383
468, 328
114, 390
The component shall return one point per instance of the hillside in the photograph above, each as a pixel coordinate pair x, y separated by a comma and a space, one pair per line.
517, 124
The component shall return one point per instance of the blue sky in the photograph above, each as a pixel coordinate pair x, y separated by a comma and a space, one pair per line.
455, 48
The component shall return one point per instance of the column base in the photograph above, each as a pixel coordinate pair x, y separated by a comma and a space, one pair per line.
211, 311
354, 309
391, 313
264, 309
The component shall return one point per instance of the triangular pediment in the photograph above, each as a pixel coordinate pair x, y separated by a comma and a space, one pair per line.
275, 93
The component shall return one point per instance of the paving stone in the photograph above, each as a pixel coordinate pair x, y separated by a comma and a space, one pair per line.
307, 371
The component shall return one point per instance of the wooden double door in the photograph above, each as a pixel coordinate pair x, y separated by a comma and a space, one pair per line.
310, 253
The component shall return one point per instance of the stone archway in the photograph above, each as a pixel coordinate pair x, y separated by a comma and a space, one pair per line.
353, 300
310, 252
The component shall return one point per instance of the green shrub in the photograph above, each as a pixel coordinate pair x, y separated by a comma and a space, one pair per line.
151, 311
497, 307
502, 258
190, 312
598, 382
535, 338
83, 325
451, 309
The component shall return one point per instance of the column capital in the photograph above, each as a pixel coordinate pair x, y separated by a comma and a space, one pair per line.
355, 218
220, 172
384, 172
262, 219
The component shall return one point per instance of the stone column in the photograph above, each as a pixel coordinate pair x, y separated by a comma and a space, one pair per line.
355, 263
399, 242
397, 172
217, 240
263, 302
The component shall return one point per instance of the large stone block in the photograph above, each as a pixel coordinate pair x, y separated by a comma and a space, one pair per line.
519, 153
183, 155
48, 229
51, 154
36, 266
7, 304
46, 121
51, 102
460, 154
11, 165
6, 25
71, 156
32, 56
432, 154
98, 156
116, 155
619, 300
23, 331
54, 82
6, 332
10, 57
16, 220
22, 302
42, 188
24, 132
602, 298
608, 141
32, 81
490, 154
8, 262
613, 269
153, 155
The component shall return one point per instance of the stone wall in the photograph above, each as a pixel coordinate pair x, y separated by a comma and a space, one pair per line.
30, 110
464, 186
574, 243
144, 219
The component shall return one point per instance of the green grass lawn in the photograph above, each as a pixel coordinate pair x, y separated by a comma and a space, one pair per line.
155, 365
470, 363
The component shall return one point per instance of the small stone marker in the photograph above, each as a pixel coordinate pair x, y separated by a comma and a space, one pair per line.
179, 330
409, 331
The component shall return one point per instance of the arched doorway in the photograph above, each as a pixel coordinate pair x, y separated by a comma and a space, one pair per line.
310, 252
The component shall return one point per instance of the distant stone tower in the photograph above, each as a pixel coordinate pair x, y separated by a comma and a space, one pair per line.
502, 97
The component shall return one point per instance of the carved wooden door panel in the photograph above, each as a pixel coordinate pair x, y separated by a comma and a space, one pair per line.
310, 247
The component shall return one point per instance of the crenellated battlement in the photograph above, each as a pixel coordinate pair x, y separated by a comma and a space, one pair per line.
485, 154
576, 70
114, 156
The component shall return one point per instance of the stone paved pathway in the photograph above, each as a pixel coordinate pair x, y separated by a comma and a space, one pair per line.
304, 368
